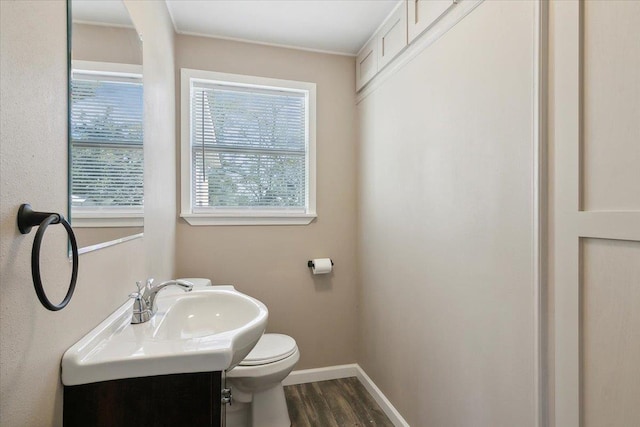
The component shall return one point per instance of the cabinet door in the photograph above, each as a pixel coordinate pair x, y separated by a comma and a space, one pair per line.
423, 13
392, 37
366, 64
165, 400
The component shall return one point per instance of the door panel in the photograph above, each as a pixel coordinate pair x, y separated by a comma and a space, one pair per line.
611, 106
424, 13
610, 327
366, 64
594, 222
393, 36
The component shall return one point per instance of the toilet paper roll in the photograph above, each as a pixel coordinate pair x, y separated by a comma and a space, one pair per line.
321, 266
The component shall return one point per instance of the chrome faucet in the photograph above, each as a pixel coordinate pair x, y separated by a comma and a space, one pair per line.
144, 306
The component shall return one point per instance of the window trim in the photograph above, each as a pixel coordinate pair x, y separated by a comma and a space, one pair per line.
251, 216
98, 216
93, 217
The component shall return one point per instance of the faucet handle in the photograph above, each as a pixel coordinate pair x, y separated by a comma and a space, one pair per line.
141, 312
137, 295
144, 290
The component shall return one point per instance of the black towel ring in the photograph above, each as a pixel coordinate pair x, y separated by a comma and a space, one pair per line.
28, 218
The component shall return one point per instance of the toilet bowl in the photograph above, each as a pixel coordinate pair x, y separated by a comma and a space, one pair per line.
256, 384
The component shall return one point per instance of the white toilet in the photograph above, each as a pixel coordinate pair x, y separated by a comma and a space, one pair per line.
256, 383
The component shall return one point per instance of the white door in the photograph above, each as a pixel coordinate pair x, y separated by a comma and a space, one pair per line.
594, 222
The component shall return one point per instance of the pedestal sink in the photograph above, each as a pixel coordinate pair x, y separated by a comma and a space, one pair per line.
208, 329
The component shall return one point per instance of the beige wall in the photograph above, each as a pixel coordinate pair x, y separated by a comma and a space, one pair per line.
445, 226
269, 262
34, 169
89, 236
33, 62
106, 44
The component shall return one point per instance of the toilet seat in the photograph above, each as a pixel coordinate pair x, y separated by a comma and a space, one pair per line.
269, 349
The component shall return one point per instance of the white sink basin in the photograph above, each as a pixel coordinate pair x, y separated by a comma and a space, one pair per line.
208, 329
198, 314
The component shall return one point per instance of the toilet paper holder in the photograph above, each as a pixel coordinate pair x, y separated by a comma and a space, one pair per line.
311, 265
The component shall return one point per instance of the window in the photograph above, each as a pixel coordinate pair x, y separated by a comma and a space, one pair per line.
248, 150
106, 145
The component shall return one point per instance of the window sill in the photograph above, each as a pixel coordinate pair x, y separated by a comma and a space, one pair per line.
102, 220
248, 219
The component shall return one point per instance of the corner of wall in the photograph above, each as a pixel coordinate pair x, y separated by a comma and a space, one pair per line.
153, 22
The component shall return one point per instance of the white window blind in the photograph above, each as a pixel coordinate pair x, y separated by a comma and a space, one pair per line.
249, 148
106, 142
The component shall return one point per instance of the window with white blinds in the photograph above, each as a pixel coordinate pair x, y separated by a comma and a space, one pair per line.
250, 149
106, 144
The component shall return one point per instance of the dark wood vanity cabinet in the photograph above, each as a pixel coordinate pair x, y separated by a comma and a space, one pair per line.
167, 400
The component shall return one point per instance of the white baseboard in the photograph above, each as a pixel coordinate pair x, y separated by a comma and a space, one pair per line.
321, 374
347, 371
384, 403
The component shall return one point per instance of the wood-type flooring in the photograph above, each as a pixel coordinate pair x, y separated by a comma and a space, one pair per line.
336, 403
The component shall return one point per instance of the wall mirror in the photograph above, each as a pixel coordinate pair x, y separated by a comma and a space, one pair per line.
106, 191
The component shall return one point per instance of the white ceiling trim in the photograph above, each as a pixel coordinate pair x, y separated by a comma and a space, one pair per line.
173, 20
285, 46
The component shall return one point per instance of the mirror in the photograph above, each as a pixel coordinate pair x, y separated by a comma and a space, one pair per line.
106, 191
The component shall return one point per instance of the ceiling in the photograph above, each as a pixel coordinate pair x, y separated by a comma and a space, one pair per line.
334, 26
100, 12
